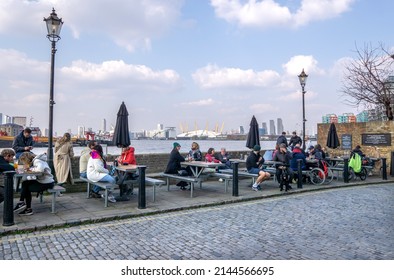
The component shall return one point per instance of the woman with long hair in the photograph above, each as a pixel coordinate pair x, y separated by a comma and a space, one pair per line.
97, 171
62, 160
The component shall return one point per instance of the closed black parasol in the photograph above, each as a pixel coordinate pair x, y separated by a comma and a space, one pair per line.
253, 135
121, 134
332, 138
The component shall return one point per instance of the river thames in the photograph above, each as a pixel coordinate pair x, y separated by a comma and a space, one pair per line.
165, 146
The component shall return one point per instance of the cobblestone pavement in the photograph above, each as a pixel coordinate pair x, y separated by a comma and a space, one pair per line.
347, 223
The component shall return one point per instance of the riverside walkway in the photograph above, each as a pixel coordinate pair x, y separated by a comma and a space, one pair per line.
75, 209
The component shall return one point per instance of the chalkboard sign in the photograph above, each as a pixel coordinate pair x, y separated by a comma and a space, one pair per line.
346, 142
376, 139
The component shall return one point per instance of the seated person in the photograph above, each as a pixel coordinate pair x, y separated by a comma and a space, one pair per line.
317, 152
224, 157
6, 157
358, 151
284, 173
97, 171
195, 153
298, 154
83, 164
127, 157
23, 142
174, 165
254, 163
41, 183
210, 156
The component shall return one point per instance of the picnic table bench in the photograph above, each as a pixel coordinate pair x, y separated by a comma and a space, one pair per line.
191, 180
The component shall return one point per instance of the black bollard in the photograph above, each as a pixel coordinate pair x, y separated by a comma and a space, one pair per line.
141, 189
346, 170
8, 215
299, 173
384, 169
392, 164
235, 177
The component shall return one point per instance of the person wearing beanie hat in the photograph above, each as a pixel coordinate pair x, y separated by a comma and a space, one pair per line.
254, 163
174, 165
176, 144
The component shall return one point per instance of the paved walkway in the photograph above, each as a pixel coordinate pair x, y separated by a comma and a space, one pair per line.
75, 208
354, 223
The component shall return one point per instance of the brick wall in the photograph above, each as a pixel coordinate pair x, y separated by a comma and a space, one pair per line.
356, 129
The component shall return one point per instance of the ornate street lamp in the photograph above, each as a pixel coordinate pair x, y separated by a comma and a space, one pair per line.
302, 77
54, 25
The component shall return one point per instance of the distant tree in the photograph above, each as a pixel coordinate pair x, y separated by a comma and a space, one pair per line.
366, 79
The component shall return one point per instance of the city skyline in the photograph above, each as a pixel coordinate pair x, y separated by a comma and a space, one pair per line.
184, 62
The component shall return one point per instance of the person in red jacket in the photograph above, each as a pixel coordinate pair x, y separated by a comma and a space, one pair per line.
127, 156
210, 156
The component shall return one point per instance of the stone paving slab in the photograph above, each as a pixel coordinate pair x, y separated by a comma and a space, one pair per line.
75, 208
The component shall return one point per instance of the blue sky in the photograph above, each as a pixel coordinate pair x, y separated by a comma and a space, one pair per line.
189, 63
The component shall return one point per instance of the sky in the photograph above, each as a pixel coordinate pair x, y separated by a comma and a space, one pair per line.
189, 64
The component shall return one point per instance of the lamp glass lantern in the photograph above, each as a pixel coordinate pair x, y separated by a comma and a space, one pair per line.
54, 26
302, 77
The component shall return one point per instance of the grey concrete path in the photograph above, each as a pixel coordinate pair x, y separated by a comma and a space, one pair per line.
75, 208
339, 223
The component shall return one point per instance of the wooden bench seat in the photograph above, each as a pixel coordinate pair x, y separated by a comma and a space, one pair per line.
104, 185
55, 191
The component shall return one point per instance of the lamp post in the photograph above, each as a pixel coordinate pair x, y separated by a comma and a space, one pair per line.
302, 77
54, 25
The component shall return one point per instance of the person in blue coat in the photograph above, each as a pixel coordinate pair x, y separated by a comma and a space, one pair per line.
23, 142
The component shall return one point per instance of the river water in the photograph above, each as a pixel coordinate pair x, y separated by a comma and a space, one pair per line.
165, 146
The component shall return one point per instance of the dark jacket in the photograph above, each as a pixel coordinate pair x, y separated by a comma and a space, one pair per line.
20, 142
174, 163
5, 166
319, 154
295, 140
282, 139
223, 158
283, 157
253, 161
358, 151
297, 154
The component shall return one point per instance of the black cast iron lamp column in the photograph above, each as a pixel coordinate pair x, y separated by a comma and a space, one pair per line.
302, 77
54, 25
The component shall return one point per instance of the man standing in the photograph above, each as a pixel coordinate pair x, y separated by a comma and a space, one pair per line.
294, 140
23, 142
282, 139
6, 157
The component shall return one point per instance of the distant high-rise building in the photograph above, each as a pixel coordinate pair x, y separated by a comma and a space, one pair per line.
265, 129
1, 118
19, 120
45, 132
272, 127
81, 132
241, 130
362, 117
104, 126
280, 126
160, 126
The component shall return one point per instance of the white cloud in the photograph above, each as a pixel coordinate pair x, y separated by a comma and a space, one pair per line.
211, 76
131, 24
267, 13
203, 102
119, 70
